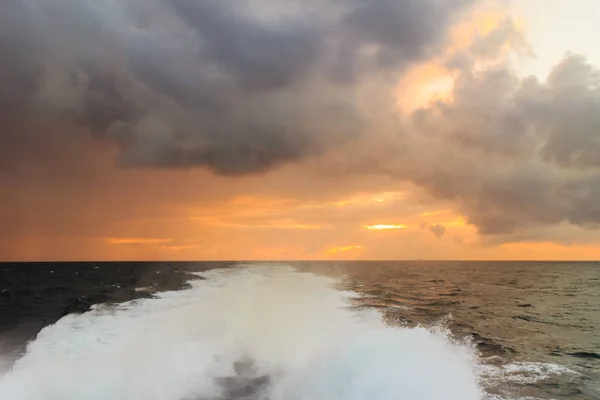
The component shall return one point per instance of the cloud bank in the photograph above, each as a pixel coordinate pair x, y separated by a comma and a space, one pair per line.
235, 88
511, 153
245, 88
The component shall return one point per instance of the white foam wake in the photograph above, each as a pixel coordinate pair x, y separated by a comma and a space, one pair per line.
272, 333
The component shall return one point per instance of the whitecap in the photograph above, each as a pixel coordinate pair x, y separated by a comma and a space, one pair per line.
302, 341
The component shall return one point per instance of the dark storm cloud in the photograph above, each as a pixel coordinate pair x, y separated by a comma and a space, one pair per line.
243, 88
403, 30
185, 83
261, 57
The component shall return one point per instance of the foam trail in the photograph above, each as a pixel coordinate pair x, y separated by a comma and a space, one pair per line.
244, 333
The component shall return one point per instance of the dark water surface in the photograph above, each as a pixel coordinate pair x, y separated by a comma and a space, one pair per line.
535, 325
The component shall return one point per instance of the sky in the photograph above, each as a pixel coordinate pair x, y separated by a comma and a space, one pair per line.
321, 129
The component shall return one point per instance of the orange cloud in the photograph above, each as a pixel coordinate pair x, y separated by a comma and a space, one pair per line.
432, 213
422, 84
277, 223
446, 217
343, 249
457, 222
481, 22
365, 199
255, 212
430, 80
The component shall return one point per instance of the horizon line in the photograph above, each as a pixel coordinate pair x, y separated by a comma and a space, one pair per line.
284, 260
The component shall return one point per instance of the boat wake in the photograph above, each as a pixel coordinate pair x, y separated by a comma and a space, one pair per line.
242, 333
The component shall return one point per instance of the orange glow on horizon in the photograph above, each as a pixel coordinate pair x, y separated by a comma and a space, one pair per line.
273, 224
344, 249
148, 241
550, 251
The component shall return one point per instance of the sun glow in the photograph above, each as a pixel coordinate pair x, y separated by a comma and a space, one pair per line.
380, 227
431, 80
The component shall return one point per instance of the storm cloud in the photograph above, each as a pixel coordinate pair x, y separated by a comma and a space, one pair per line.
437, 230
511, 153
244, 88
234, 88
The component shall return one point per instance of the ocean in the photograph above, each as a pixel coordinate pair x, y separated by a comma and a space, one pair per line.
418, 330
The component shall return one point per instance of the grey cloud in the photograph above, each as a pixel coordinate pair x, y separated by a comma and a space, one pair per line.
512, 153
200, 83
568, 108
564, 233
260, 56
403, 30
438, 230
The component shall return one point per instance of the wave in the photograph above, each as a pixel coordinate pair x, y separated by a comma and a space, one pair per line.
242, 333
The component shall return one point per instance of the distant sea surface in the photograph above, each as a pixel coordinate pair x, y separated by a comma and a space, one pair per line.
300, 331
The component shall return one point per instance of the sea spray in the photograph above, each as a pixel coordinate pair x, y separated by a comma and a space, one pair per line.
248, 333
